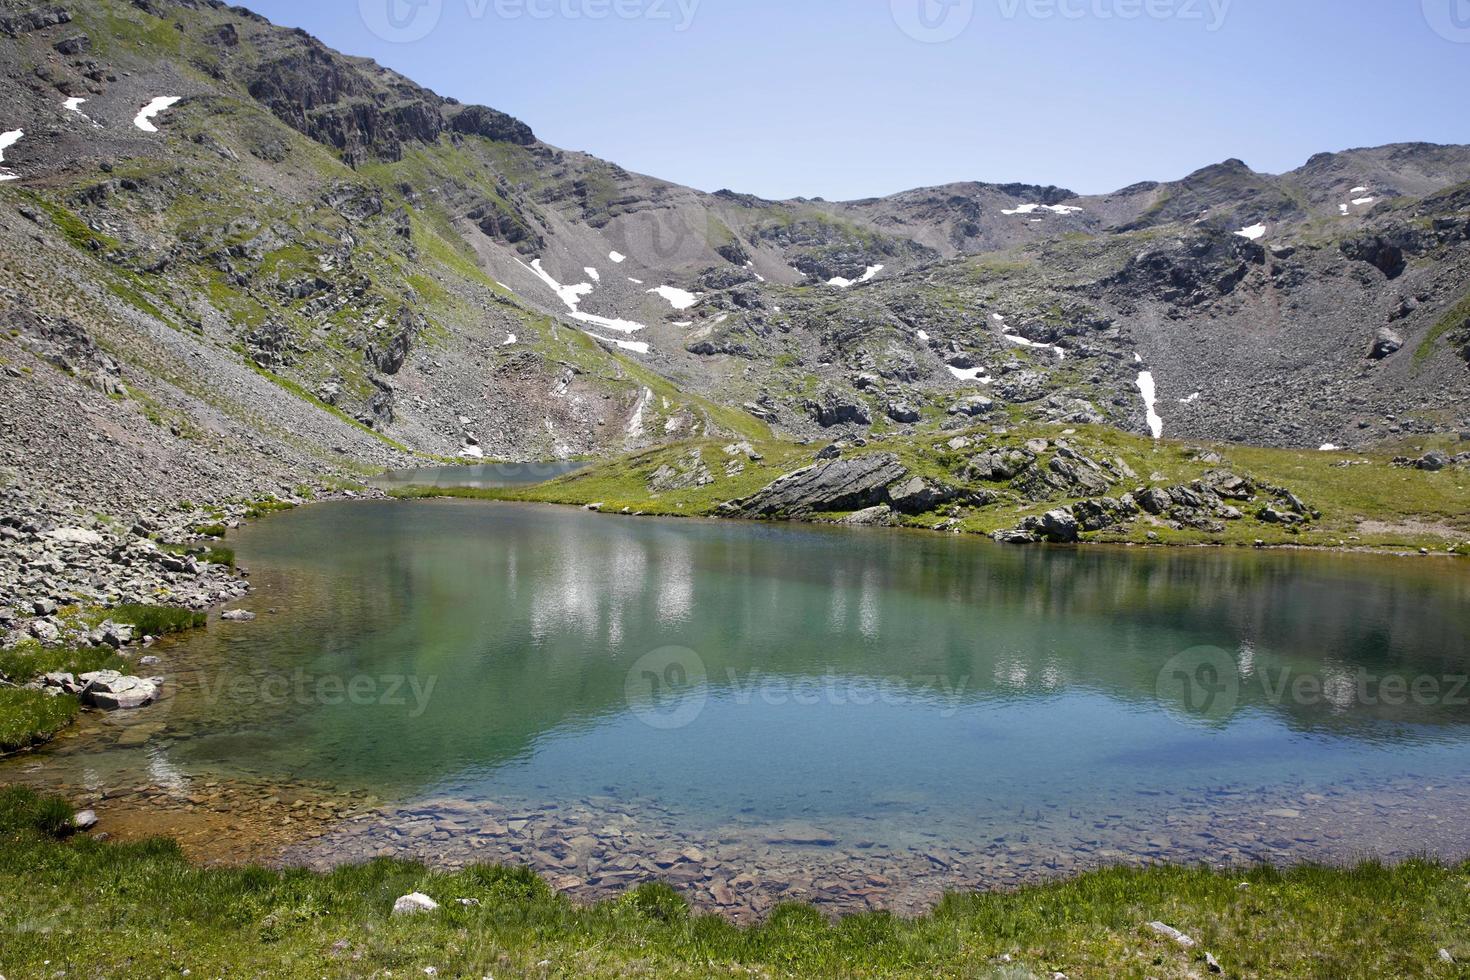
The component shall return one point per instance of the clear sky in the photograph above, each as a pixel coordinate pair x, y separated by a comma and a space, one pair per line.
854, 98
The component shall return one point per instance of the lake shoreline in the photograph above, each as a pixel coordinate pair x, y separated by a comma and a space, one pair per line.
1179, 920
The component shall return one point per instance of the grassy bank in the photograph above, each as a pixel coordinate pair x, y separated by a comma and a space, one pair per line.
1364, 501
83, 907
29, 718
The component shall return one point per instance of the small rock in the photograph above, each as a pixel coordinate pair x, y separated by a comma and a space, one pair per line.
413, 904
1212, 963
85, 820
1169, 932
1445, 957
238, 616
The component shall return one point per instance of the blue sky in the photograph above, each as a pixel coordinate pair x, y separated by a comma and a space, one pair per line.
854, 98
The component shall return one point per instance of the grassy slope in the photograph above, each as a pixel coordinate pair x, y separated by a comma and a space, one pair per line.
1373, 490
90, 908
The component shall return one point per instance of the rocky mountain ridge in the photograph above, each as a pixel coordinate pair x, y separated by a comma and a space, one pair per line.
305, 263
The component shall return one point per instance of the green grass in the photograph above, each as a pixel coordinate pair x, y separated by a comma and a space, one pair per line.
82, 907
29, 660
1405, 508
157, 620
30, 718
1458, 316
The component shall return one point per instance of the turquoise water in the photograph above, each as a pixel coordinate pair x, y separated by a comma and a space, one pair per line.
740, 673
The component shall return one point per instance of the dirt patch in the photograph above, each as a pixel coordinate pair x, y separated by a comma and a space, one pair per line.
1413, 528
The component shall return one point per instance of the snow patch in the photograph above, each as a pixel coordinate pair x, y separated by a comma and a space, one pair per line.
636, 282
635, 424
636, 346
509, 341
1328, 447
7, 140
1034, 208
679, 299
1253, 232
1358, 190
923, 335
1018, 340
1190, 400
572, 296
143, 120
471, 452
618, 257
867, 276
607, 323
592, 273
1360, 201
969, 374
683, 323
1150, 394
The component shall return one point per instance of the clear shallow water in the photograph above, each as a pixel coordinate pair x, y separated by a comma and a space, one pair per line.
480, 477
888, 692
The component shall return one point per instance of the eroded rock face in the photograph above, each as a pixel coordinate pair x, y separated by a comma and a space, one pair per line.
919, 496
843, 484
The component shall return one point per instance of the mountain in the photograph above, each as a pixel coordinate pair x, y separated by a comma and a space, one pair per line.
308, 265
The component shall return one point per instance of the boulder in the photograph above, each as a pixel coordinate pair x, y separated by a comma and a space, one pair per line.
413, 904
879, 516
919, 496
1059, 526
1155, 500
903, 412
1104, 512
833, 411
842, 484
114, 691
1385, 344
237, 616
973, 406
73, 535
1432, 461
